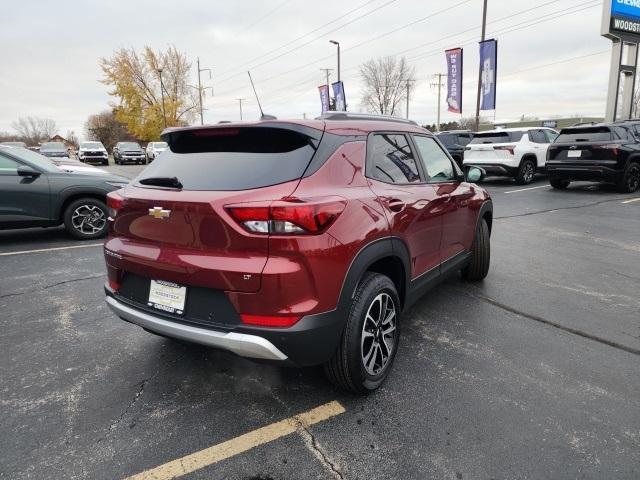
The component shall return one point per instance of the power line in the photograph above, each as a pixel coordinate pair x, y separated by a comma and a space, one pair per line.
267, 15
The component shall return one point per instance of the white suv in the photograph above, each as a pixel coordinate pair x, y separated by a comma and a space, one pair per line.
89, 152
510, 152
154, 149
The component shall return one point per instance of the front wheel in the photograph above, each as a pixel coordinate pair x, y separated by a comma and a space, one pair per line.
370, 337
526, 172
86, 218
478, 267
630, 181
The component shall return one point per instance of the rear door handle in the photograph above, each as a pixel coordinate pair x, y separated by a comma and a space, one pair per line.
395, 205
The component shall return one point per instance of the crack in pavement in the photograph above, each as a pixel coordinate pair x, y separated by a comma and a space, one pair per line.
559, 209
45, 287
551, 323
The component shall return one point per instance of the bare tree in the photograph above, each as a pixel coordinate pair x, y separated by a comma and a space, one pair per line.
72, 138
34, 130
105, 127
385, 81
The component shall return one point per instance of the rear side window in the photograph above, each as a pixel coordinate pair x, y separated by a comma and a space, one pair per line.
496, 137
448, 139
589, 134
391, 160
537, 136
234, 158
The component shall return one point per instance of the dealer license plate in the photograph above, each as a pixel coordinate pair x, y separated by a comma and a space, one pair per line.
574, 153
166, 296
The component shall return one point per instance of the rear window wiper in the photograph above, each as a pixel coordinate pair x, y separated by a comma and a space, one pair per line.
170, 182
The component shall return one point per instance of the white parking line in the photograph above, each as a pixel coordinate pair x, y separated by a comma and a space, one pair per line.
53, 249
230, 448
525, 189
632, 200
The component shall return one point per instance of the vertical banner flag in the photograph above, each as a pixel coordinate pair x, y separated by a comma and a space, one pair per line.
454, 79
489, 69
338, 94
324, 97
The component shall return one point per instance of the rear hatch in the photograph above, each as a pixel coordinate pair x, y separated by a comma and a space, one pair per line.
584, 144
172, 224
492, 146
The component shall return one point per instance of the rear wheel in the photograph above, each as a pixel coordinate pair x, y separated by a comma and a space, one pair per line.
630, 181
370, 337
86, 218
559, 183
478, 267
526, 172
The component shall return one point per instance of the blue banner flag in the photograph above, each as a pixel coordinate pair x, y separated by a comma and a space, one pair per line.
454, 79
488, 69
324, 97
338, 94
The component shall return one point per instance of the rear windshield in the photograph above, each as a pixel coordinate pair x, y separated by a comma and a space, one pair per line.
53, 147
496, 137
233, 159
591, 134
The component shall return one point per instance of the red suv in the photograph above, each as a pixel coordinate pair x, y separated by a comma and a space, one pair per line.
299, 242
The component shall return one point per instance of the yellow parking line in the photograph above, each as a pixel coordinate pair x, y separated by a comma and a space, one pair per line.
632, 200
40, 250
209, 456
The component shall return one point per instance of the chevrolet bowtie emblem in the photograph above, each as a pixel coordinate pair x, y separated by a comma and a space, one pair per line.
159, 212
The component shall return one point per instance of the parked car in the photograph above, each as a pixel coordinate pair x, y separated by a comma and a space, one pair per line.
93, 152
54, 150
455, 142
511, 152
34, 192
302, 246
129, 152
604, 153
154, 149
14, 144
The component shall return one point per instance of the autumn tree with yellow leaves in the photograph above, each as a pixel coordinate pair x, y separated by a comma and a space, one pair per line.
135, 81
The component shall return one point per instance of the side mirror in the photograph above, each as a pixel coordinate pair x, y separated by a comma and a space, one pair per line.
474, 174
26, 171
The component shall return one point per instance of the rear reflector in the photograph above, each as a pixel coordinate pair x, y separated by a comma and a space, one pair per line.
115, 202
269, 320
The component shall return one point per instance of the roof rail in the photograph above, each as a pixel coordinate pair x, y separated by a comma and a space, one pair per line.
364, 116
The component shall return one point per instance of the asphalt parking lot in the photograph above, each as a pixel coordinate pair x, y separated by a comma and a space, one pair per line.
531, 374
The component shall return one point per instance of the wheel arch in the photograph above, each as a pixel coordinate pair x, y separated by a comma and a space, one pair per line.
74, 195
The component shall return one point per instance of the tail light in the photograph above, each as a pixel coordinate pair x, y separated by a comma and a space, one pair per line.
114, 277
508, 148
609, 146
115, 202
269, 320
293, 217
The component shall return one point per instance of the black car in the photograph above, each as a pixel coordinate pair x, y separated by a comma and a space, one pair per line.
129, 152
34, 192
455, 141
54, 150
603, 152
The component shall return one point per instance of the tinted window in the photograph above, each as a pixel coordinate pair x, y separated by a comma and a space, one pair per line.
233, 159
448, 139
464, 139
391, 160
35, 159
496, 137
551, 135
621, 133
129, 145
91, 145
536, 136
7, 166
588, 134
436, 163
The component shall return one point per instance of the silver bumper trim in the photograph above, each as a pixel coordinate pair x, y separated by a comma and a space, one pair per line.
242, 344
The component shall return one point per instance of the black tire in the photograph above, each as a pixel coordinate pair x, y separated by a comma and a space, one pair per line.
630, 181
93, 227
478, 267
347, 369
559, 184
526, 172
105, 163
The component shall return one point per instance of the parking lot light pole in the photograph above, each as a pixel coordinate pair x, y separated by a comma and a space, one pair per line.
164, 113
240, 100
482, 39
338, 45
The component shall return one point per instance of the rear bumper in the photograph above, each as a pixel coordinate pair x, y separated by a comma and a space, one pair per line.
596, 172
311, 341
499, 169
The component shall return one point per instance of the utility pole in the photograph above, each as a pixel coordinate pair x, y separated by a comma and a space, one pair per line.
240, 100
200, 70
164, 114
338, 45
327, 72
408, 87
482, 39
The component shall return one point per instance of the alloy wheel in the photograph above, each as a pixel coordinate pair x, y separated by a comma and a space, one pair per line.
633, 180
378, 334
88, 219
528, 172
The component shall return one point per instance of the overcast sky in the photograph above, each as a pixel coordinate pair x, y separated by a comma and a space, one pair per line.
49, 54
